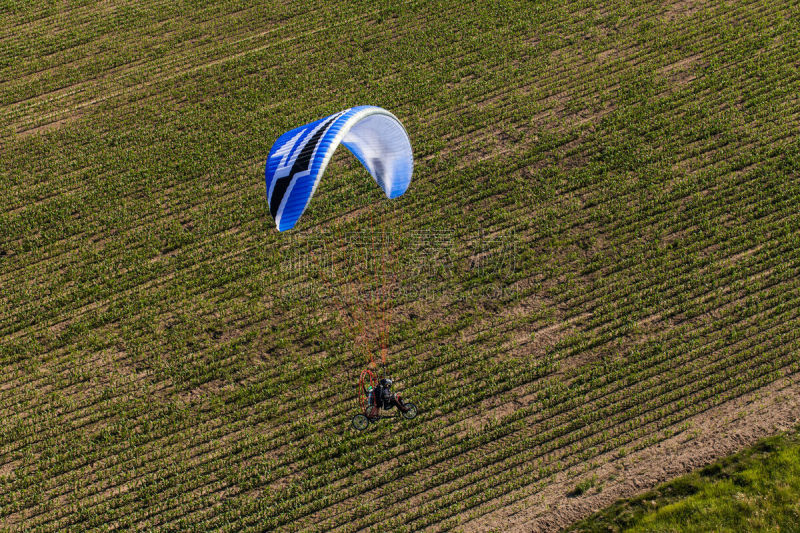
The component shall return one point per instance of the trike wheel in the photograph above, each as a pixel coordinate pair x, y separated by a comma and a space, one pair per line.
412, 411
360, 422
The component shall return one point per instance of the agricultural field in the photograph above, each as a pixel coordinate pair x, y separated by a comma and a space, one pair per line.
591, 286
757, 489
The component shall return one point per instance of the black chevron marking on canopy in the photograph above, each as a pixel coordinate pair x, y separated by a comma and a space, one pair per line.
301, 164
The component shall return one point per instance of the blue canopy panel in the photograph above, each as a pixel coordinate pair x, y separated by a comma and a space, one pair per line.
298, 158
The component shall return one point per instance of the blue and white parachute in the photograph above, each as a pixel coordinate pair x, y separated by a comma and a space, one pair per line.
298, 158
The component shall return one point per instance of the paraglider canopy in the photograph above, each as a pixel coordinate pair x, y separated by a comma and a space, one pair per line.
298, 158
